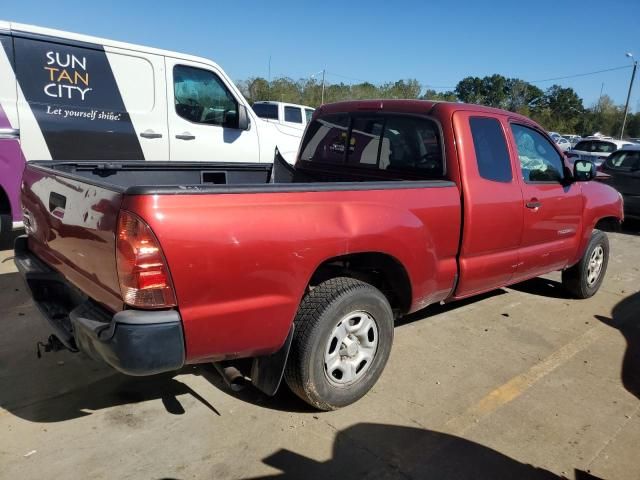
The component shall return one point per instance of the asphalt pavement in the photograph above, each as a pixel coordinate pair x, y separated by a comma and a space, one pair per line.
523, 382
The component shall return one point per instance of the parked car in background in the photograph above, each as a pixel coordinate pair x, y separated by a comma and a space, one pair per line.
289, 114
621, 170
595, 149
554, 136
391, 206
573, 139
65, 96
563, 144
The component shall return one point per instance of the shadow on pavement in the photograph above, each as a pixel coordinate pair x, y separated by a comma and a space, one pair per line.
437, 309
542, 287
58, 402
625, 317
377, 451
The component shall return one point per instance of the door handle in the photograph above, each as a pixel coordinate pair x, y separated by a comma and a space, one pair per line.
185, 136
9, 133
150, 134
533, 203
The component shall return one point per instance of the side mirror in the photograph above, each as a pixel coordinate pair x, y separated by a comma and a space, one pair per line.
243, 118
583, 170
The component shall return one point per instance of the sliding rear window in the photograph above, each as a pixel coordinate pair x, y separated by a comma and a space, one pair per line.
397, 146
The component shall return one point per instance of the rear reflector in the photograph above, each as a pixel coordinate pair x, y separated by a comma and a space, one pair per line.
142, 269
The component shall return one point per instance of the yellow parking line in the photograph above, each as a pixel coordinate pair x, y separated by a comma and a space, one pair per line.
519, 384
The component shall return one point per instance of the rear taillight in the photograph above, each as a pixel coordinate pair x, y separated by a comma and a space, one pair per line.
142, 269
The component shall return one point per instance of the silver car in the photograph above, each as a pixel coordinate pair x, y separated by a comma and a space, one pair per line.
595, 150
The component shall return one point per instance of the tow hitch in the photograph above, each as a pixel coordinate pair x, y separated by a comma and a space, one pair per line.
53, 345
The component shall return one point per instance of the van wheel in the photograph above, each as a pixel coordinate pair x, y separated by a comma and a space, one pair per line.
584, 279
341, 343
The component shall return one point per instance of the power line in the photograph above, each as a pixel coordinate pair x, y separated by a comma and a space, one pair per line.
581, 74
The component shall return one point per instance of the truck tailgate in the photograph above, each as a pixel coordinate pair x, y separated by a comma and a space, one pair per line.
71, 226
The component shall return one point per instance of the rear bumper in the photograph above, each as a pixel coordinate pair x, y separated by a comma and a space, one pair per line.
135, 342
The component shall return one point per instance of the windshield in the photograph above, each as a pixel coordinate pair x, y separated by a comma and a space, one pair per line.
266, 110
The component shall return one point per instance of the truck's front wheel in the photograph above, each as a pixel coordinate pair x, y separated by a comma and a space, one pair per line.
342, 340
584, 279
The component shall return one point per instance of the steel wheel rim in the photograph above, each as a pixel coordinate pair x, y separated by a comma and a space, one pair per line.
351, 348
594, 268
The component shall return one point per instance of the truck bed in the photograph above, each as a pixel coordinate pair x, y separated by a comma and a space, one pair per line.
229, 234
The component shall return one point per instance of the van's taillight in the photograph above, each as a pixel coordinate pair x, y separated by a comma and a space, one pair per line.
142, 270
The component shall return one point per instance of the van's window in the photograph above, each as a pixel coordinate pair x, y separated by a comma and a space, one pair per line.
292, 114
490, 146
625, 160
403, 146
266, 110
539, 160
201, 97
308, 113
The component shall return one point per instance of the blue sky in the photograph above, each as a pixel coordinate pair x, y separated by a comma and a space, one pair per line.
436, 42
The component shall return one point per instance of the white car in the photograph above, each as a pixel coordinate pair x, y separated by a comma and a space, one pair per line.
595, 149
573, 139
288, 114
563, 143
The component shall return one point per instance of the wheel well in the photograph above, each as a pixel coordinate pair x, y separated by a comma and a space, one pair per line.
378, 269
608, 224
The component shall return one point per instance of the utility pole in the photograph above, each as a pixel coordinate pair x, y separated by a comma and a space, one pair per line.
269, 81
322, 98
626, 106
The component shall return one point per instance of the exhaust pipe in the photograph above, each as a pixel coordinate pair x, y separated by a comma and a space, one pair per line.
231, 376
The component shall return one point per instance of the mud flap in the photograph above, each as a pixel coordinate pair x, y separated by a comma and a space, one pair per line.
267, 371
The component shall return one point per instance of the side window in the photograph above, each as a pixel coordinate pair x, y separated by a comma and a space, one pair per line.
491, 149
585, 146
201, 97
308, 113
539, 160
604, 147
624, 160
292, 114
266, 110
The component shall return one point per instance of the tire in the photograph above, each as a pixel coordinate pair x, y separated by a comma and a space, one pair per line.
340, 306
579, 280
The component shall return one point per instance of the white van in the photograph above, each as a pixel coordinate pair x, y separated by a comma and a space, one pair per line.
65, 96
79, 97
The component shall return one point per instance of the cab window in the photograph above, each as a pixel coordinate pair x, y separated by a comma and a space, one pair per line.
539, 160
292, 114
201, 97
404, 147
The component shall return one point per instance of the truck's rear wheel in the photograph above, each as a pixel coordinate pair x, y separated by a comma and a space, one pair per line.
584, 279
342, 340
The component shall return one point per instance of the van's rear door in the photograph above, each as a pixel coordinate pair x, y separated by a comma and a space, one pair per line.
71, 225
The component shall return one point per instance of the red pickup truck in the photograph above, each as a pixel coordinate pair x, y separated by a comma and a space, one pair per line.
391, 206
